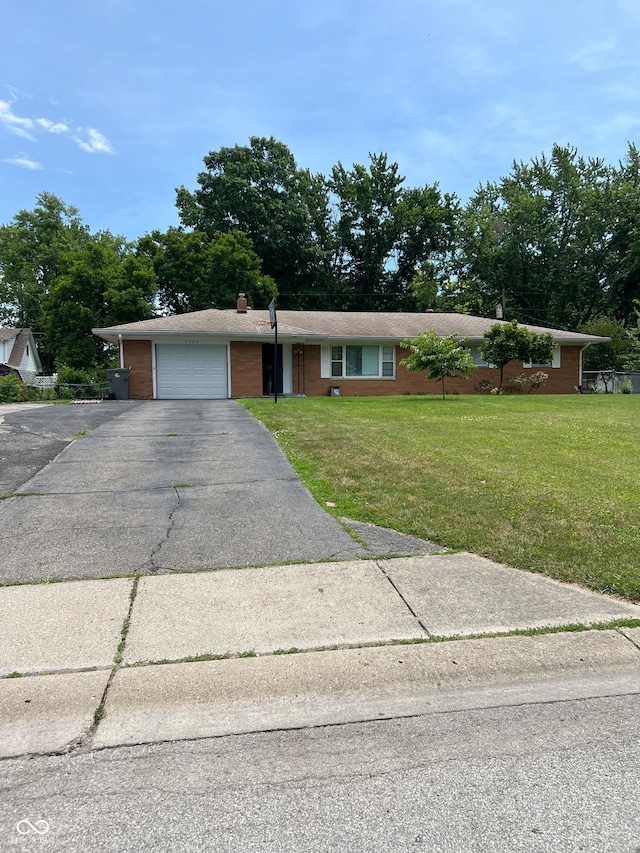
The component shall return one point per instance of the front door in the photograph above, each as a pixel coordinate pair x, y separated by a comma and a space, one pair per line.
268, 367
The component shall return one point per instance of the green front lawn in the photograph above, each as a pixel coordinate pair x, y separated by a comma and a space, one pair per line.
546, 483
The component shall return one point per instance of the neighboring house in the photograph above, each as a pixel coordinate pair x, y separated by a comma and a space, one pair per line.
18, 353
230, 353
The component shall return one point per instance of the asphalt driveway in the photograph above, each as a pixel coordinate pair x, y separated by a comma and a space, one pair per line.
153, 487
31, 435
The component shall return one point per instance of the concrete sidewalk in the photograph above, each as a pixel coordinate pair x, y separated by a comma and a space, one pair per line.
124, 660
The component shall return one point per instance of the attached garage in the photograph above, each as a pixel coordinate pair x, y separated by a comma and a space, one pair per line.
190, 372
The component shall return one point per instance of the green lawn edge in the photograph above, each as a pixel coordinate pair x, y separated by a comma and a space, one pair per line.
547, 483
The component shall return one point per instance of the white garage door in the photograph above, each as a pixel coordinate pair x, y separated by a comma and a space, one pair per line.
188, 372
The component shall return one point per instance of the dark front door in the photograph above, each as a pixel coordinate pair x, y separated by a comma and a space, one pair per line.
268, 369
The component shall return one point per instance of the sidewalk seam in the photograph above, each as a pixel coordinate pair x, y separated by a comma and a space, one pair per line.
405, 601
630, 639
85, 741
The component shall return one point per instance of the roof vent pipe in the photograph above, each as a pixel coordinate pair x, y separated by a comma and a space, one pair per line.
242, 304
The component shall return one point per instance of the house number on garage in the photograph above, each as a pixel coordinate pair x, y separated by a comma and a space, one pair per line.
193, 342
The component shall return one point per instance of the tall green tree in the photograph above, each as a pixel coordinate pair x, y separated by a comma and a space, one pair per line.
258, 189
367, 230
623, 259
540, 237
31, 248
385, 233
102, 283
505, 342
196, 271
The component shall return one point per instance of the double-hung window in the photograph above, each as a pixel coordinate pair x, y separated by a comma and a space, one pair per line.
337, 361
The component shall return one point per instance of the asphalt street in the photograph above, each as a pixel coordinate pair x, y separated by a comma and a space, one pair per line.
559, 777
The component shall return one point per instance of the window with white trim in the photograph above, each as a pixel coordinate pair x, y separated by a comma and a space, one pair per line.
358, 361
388, 361
554, 363
336, 361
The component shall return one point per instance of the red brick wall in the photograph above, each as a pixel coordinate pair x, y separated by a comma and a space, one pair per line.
562, 380
137, 357
246, 368
246, 374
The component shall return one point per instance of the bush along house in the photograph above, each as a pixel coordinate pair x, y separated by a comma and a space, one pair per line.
231, 353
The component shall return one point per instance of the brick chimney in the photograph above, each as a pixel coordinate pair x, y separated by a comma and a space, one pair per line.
242, 304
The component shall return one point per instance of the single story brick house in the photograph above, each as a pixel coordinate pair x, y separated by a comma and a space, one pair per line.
230, 353
18, 353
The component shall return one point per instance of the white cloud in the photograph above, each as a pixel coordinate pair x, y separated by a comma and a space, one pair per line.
51, 126
16, 124
88, 139
96, 142
23, 161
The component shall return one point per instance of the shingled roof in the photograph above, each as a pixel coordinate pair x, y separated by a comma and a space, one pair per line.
319, 326
21, 340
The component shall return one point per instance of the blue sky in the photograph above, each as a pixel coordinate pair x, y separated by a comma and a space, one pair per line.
111, 105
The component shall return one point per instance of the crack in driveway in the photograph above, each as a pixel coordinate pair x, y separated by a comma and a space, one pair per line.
156, 549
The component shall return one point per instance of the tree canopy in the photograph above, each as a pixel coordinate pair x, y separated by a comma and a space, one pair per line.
384, 233
99, 284
31, 247
556, 241
195, 271
352, 241
60, 280
259, 190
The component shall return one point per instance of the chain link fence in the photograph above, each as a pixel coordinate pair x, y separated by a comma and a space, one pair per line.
48, 388
610, 381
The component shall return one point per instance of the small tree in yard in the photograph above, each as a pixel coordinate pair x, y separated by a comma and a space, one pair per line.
507, 342
439, 357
